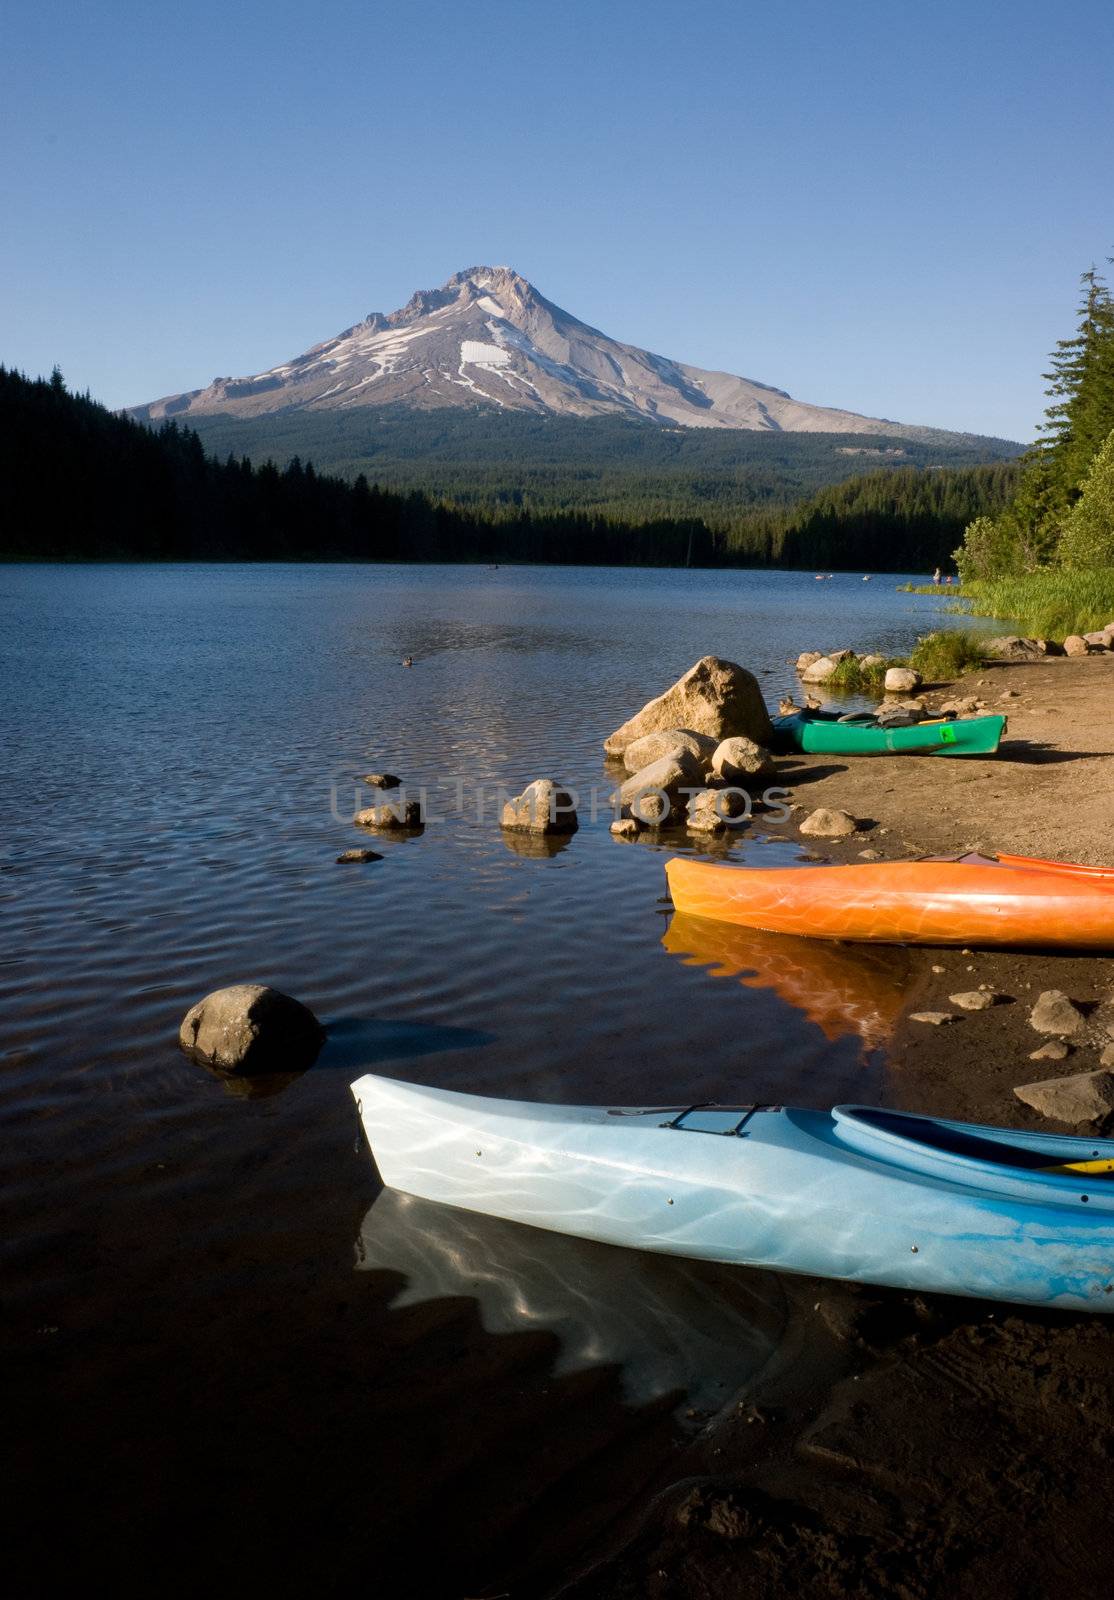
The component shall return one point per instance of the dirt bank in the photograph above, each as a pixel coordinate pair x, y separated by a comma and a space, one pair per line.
967, 1448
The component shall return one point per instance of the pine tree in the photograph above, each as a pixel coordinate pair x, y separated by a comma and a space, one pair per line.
1081, 389
1088, 538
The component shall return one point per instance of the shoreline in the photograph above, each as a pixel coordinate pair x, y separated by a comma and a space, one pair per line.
916, 1438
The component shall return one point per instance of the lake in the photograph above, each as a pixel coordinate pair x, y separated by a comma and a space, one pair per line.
239, 1358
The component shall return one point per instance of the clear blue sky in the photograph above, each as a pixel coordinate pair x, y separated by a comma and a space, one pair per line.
878, 204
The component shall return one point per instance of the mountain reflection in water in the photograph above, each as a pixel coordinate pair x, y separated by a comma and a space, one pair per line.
843, 989
669, 1326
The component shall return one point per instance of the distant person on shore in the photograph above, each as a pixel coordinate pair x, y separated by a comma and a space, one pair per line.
936, 576
948, 580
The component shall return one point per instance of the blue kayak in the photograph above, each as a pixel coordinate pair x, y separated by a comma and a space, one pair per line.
858, 1193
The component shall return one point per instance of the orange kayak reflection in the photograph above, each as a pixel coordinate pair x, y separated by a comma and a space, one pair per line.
843, 990
972, 900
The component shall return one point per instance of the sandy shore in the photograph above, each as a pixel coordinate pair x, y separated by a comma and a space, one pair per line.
943, 1447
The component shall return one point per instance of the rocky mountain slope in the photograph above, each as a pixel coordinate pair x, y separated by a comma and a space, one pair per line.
488, 338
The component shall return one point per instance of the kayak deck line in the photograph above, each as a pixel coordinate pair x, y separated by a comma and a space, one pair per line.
860, 1193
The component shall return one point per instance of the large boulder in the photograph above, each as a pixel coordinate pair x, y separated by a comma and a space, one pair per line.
654, 795
741, 761
807, 657
714, 697
820, 670
652, 746
1076, 645
543, 807
902, 680
251, 1028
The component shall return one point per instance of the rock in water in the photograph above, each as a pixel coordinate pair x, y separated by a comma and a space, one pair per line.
654, 794
543, 807
714, 697
251, 1028
381, 780
818, 671
826, 824
625, 828
1084, 1097
652, 746
741, 761
807, 657
1055, 1013
404, 814
358, 855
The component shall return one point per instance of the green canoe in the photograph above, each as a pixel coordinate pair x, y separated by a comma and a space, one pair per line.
825, 733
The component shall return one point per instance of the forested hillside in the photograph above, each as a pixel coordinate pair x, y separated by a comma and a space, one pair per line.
78, 482
633, 471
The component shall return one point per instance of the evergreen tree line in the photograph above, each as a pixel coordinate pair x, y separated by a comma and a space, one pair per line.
1063, 512
78, 482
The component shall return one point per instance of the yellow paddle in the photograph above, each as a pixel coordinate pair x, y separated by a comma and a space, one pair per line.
1104, 1164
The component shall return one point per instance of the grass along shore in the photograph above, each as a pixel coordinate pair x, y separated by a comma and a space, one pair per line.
1048, 604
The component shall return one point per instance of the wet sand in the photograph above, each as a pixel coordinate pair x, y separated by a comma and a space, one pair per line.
966, 1448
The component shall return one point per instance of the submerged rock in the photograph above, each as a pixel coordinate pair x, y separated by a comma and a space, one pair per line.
714, 697
381, 780
249, 1027
1084, 1097
543, 807
358, 855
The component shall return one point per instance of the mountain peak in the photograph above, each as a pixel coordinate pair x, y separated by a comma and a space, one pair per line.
488, 338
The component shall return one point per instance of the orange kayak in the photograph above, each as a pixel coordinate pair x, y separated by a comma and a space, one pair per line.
905, 902
1035, 863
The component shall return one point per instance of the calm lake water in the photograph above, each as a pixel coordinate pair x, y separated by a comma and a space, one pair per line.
234, 1356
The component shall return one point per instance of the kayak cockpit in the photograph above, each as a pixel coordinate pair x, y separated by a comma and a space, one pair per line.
988, 1156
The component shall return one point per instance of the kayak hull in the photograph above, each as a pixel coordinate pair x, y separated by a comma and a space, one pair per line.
904, 902
819, 735
854, 1194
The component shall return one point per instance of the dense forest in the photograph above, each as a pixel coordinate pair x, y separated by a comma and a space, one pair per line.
79, 482
1062, 516
627, 470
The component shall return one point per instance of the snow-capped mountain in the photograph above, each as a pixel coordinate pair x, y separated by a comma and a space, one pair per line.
487, 337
